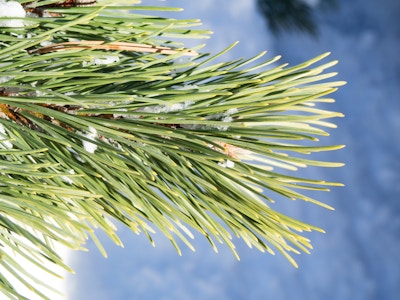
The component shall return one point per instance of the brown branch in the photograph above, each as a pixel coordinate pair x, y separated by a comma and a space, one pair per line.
116, 46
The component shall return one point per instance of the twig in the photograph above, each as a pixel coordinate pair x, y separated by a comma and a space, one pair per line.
117, 46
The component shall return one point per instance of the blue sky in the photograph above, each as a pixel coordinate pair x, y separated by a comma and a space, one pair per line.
358, 256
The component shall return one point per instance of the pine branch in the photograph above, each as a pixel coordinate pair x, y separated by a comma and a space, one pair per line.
96, 129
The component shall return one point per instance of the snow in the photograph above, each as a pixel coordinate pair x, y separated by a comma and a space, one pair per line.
186, 87
156, 109
358, 256
3, 135
102, 60
91, 134
224, 117
227, 164
67, 179
11, 9
4, 79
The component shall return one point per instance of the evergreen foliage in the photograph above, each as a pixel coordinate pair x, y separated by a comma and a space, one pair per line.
293, 15
106, 117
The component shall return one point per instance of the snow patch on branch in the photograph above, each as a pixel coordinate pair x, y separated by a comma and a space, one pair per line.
67, 179
4, 79
101, 60
165, 108
46, 43
224, 117
91, 135
11, 9
227, 164
185, 87
5, 144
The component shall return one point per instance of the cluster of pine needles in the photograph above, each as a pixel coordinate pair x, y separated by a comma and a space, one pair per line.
105, 116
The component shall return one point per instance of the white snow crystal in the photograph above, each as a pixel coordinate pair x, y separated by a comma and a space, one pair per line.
166, 108
227, 164
101, 60
40, 93
185, 87
67, 179
46, 14
6, 144
231, 111
11, 9
46, 43
225, 117
4, 79
105, 60
91, 134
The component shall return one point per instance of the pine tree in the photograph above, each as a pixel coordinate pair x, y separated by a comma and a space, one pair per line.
106, 117
293, 15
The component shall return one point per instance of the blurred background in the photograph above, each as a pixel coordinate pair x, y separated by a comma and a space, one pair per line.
359, 256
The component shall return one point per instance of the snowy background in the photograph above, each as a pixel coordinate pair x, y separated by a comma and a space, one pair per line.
359, 256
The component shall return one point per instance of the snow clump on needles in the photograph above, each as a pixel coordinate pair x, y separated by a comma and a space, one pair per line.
11, 9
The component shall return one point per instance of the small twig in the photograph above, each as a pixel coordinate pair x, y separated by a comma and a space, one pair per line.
117, 46
73, 3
